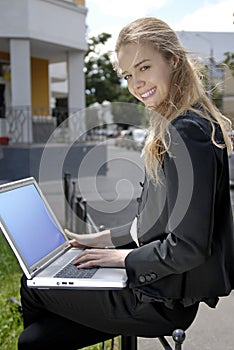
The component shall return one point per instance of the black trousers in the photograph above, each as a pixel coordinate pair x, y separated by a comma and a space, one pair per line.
72, 319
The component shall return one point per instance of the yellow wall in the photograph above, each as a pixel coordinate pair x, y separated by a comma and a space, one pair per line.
40, 86
79, 2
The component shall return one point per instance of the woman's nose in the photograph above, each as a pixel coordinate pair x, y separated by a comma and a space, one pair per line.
137, 82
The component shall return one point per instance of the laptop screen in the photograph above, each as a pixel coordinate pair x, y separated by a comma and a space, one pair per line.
29, 223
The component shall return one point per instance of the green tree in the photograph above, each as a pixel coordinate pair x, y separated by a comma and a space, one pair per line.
103, 83
212, 78
229, 61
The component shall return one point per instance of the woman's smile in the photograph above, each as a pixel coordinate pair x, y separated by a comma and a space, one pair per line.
148, 93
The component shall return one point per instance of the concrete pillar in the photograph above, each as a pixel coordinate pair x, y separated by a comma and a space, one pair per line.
2, 110
21, 89
76, 94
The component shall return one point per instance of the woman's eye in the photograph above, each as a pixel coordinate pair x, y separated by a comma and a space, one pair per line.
144, 68
126, 77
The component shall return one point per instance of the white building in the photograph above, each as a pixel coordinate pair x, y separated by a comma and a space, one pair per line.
206, 45
213, 45
34, 34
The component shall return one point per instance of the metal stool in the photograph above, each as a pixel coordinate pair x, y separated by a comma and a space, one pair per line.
130, 342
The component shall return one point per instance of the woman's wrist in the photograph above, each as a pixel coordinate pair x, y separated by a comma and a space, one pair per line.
103, 239
100, 239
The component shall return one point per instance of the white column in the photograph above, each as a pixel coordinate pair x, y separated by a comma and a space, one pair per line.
3, 131
76, 93
21, 85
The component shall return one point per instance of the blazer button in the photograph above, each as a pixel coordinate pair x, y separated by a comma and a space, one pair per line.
141, 279
153, 276
148, 278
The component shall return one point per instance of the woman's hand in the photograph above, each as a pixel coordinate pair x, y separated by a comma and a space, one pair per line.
102, 257
97, 240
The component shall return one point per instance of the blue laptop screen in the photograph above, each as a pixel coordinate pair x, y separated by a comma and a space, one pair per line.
29, 223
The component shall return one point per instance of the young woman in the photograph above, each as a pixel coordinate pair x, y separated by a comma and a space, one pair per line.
184, 251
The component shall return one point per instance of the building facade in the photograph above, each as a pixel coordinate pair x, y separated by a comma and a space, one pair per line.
34, 34
211, 47
228, 97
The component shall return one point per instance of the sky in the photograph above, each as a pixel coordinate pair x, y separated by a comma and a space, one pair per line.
199, 15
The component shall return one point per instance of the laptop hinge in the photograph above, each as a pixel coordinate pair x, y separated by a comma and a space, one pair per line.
37, 269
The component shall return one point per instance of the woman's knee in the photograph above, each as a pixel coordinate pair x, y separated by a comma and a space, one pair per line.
29, 340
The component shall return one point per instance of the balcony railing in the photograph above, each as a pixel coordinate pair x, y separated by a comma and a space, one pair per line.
28, 125
24, 125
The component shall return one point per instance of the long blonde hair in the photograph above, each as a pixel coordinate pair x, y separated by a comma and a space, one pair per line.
186, 90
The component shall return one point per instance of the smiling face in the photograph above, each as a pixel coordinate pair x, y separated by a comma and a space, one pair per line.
147, 72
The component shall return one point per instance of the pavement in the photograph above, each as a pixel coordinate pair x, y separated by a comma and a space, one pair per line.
211, 330
111, 200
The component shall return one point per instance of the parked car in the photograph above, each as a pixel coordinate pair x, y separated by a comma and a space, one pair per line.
120, 140
132, 139
138, 136
135, 139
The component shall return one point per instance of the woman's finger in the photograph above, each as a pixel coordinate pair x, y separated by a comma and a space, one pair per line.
87, 255
75, 244
70, 234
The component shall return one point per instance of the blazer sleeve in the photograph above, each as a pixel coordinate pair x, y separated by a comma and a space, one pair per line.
190, 177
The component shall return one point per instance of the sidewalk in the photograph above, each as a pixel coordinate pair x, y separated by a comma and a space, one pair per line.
211, 330
108, 196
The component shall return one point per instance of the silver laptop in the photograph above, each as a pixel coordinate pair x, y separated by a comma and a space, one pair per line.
41, 246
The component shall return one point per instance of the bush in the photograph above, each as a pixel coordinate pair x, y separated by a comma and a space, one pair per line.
10, 318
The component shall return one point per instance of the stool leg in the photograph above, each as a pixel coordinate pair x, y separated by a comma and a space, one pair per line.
128, 342
165, 343
178, 336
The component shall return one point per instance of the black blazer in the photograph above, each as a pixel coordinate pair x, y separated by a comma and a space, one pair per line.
185, 223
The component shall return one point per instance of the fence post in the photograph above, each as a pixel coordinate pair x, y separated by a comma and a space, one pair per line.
66, 184
81, 215
85, 215
72, 203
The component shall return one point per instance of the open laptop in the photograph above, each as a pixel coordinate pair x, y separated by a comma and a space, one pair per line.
41, 246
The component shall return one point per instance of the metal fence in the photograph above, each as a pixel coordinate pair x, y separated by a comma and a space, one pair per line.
22, 124
15, 123
77, 218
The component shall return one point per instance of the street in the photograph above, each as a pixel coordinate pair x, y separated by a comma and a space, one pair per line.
111, 198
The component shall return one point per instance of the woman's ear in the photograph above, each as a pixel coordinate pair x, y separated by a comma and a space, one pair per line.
175, 60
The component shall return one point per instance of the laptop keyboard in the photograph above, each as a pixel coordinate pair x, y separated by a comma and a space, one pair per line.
71, 271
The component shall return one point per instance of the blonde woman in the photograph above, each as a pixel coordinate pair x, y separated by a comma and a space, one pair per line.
184, 251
